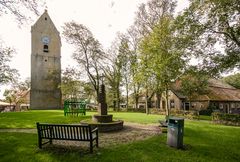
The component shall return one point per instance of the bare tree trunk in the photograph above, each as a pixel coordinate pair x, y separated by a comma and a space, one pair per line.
150, 100
158, 100
146, 102
136, 101
118, 99
136, 96
167, 104
114, 102
127, 96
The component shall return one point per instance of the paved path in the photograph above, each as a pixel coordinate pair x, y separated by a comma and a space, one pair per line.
22, 130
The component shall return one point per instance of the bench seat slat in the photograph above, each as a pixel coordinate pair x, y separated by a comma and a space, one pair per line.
80, 133
74, 135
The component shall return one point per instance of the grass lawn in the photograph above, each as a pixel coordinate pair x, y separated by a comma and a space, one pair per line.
28, 119
204, 141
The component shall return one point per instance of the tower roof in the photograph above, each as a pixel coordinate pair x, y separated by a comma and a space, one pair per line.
43, 19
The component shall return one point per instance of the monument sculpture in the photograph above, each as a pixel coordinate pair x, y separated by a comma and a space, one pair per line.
103, 120
102, 115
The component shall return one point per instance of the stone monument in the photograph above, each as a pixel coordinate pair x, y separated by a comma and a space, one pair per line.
102, 120
102, 115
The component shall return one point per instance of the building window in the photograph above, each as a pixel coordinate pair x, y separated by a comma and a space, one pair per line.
45, 48
237, 105
232, 105
220, 106
45, 18
172, 105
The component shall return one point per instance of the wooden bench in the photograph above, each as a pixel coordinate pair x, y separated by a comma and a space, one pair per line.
67, 132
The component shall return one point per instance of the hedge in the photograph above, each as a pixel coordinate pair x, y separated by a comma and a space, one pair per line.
227, 119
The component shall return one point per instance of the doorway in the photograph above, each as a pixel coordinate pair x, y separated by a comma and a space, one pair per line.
186, 106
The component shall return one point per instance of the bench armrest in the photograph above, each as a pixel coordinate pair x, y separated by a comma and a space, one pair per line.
95, 130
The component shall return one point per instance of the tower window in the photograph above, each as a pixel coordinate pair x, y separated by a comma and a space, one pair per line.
45, 48
45, 18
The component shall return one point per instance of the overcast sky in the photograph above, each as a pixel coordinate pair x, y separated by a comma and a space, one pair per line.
103, 17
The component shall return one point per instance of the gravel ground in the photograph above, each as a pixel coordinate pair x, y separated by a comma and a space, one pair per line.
131, 132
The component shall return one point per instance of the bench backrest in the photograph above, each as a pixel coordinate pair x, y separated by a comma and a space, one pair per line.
64, 131
74, 105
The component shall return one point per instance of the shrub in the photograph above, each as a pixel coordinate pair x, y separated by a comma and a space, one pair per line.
227, 119
142, 110
157, 111
191, 115
207, 112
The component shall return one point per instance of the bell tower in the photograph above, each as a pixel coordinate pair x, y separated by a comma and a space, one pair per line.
45, 65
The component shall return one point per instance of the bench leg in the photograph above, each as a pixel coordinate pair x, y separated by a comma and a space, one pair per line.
91, 146
97, 141
40, 143
50, 141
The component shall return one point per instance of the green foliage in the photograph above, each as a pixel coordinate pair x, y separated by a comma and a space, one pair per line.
118, 72
193, 83
71, 85
228, 119
208, 26
233, 80
207, 112
160, 62
7, 74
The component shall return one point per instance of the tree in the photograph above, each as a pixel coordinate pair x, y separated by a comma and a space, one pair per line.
70, 85
88, 53
193, 83
133, 43
149, 14
24, 85
162, 62
113, 71
14, 95
233, 80
113, 77
18, 7
7, 74
208, 26
124, 57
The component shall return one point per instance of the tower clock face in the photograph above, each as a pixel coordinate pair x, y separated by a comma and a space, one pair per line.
45, 40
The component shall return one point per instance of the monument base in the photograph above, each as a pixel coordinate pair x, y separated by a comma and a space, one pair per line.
105, 127
102, 118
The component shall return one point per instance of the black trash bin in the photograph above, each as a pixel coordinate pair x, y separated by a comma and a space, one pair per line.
175, 132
